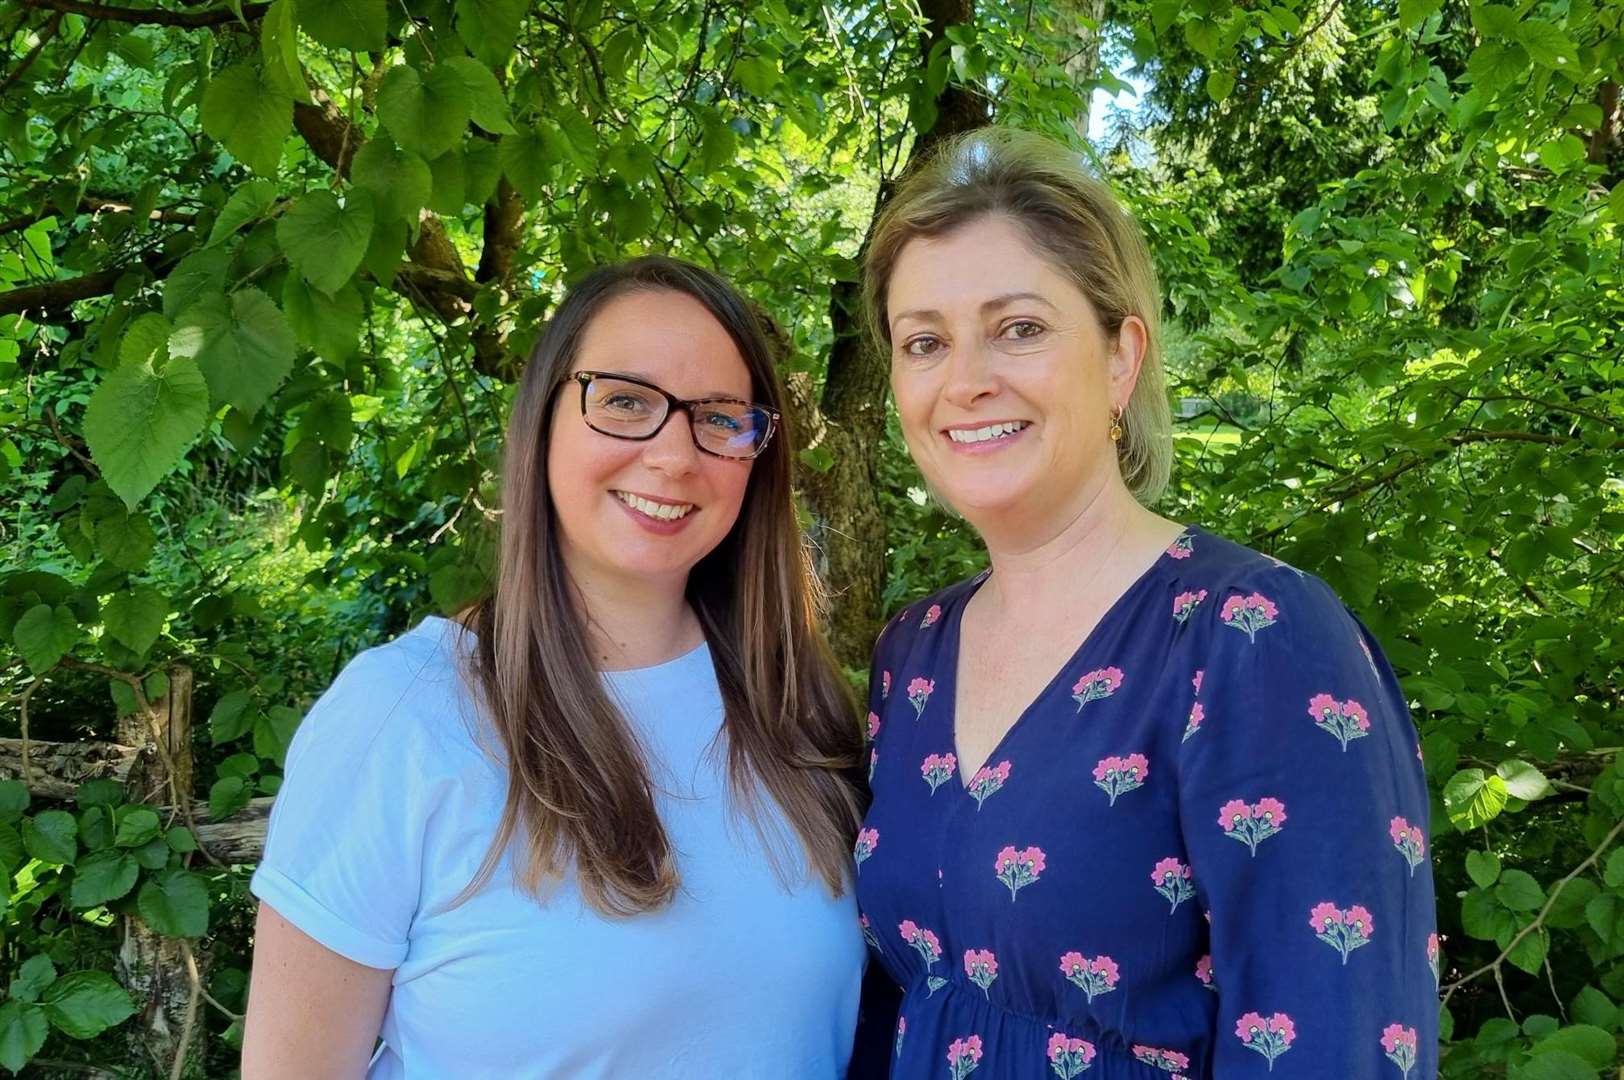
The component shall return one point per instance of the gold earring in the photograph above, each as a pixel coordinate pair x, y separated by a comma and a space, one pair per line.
1116, 424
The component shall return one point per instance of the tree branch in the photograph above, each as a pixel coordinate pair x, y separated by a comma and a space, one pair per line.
47, 32
149, 16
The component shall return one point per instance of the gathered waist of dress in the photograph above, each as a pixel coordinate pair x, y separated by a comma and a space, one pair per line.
943, 1020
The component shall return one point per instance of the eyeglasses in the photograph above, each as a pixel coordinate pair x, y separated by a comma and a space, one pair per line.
627, 408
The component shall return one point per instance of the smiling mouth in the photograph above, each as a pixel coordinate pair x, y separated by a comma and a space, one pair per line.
660, 510
988, 433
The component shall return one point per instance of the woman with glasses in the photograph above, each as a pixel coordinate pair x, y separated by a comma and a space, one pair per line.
601, 826
1145, 802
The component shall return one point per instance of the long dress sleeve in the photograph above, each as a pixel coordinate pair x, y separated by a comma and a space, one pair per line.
1304, 812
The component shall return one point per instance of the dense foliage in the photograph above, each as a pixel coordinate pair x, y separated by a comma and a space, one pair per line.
267, 272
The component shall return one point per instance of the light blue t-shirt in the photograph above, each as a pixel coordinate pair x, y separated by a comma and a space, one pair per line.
388, 806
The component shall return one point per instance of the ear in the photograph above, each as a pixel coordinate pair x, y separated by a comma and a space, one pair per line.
1132, 341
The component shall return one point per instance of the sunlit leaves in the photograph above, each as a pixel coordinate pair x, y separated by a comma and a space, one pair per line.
242, 345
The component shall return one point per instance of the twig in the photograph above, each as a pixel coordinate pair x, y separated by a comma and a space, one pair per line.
22, 702
47, 32
190, 1022
150, 16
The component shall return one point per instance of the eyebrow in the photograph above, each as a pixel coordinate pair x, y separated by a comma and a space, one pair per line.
991, 305
646, 377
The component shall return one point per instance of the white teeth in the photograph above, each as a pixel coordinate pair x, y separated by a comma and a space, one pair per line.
996, 431
663, 511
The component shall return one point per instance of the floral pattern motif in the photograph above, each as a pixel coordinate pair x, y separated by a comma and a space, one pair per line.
873, 726
1433, 957
1343, 931
1408, 840
1399, 1044
1182, 548
963, 1056
1185, 603
982, 968
1270, 1037
1193, 724
1203, 972
1093, 977
1173, 880
1097, 684
1018, 869
1252, 823
1116, 775
931, 616
919, 692
1249, 614
1347, 720
1068, 1057
928, 946
867, 841
987, 780
1168, 1060
937, 769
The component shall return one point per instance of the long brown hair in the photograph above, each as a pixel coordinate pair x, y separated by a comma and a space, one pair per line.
579, 792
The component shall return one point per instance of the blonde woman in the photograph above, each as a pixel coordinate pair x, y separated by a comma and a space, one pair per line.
1146, 803
604, 829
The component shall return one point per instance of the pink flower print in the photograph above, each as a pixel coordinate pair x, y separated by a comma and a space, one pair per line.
868, 930
1117, 775
867, 841
902, 1029
1399, 1042
1097, 684
1343, 931
1172, 880
1253, 824
885, 685
937, 768
929, 948
1433, 957
931, 616
1197, 680
1093, 977
1018, 869
1181, 548
1068, 1056
987, 780
873, 726
873, 760
919, 693
1347, 720
1203, 972
963, 1056
1249, 613
1409, 841
1193, 724
1169, 1060
982, 967
1185, 603
1271, 1037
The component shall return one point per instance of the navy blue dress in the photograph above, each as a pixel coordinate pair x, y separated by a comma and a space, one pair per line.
1201, 851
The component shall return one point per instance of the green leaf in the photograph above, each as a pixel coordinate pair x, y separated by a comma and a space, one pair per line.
1547, 45
180, 840
140, 422
325, 240
1556, 1065
449, 191
244, 347
230, 718
817, 458
1614, 875
136, 616
327, 420
145, 342
1483, 868
12, 855
102, 877
1493, 20
1411, 13
96, 828
227, 795
1220, 84
1582, 1040
757, 74
1529, 953
328, 325
279, 49
51, 837
125, 540
489, 108
1471, 799
33, 976
175, 904
360, 25
44, 635
14, 799
1523, 780
273, 731
482, 168
527, 163
1568, 906
251, 117
1562, 153
386, 251
425, 115
136, 826
1519, 891
1615, 202
22, 1032
250, 202
200, 274
84, 1004
490, 27
398, 179
153, 855
718, 147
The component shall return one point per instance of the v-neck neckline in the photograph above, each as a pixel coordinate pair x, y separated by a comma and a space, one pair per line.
956, 637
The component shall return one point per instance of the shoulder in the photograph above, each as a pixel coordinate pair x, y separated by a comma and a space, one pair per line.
923, 615
1245, 583
405, 698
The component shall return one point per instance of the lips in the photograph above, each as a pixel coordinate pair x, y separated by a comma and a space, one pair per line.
659, 509
987, 432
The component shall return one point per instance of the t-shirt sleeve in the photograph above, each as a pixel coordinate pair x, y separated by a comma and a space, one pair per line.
343, 851
1305, 814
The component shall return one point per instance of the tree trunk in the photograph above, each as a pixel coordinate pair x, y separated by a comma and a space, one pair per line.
849, 419
1084, 53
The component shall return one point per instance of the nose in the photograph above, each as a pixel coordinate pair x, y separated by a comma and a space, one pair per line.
672, 451
970, 375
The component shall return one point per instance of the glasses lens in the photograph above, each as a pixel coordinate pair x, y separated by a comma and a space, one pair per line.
615, 407
731, 429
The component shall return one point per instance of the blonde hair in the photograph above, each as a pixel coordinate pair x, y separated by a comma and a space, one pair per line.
1072, 219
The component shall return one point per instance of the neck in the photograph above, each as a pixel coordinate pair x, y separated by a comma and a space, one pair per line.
1041, 558
633, 623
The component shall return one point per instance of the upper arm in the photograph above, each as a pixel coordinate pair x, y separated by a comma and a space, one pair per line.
311, 1012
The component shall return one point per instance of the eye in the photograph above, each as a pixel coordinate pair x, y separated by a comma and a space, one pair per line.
624, 402
722, 421
1022, 328
923, 345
